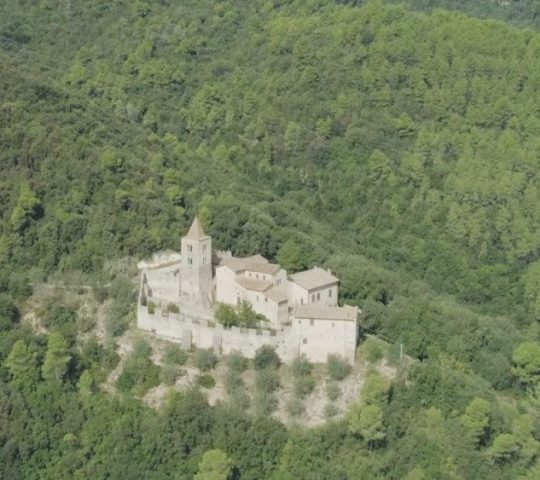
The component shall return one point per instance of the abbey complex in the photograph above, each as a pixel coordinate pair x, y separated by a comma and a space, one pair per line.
299, 313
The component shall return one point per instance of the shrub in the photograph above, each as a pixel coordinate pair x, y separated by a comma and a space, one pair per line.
337, 367
333, 391
116, 326
174, 355
205, 359
295, 407
237, 362
247, 316
101, 294
266, 357
9, 313
265, 403
170, 373
301, 366
141, 348
173, 308
151, 308
60, 317
330, 410
205, 381
226, 315
304, 385
372, 350
239, 399
233, 382
267, 380
138, 376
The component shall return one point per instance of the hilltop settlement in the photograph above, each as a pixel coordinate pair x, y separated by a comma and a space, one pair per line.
181, 294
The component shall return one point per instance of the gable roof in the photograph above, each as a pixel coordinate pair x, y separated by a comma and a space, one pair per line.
314, 278
237, 264
256, 258
346, 313
196, 231
253, 284
276, 294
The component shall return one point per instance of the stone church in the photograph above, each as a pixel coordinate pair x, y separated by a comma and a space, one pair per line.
179, 292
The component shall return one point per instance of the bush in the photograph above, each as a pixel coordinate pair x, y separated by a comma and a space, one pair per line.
265, 403
267, 380
173, 308
138, 376
304, 386
233, 382
266, 357
295, 407
226, 315
372, 350
301, 367
205, 381
333, 391
337, 367
170, 373
116, 326
174, 355
141, 348
101, 294
237, 362
60, 317
9, 313
239, 399
205, 359
330, 410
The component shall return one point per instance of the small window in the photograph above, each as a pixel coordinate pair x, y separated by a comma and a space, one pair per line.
304, 341
312, 322
190, 248
330, 293
313, 297
333, 324
265, 299
204, 248
301, 301
249, 274
257, 275
190, 261
318, 296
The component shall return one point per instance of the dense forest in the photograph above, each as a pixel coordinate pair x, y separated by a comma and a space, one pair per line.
396, 144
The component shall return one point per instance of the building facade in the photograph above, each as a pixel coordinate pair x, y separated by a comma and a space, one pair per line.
301, 310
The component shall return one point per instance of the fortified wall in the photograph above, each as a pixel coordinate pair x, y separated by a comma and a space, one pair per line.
190, 331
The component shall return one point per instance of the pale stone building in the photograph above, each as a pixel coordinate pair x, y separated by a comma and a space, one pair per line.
313, 287
302, 312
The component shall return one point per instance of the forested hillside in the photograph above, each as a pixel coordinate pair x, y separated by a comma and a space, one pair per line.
396, 147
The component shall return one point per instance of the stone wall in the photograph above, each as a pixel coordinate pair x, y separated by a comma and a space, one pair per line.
289, 342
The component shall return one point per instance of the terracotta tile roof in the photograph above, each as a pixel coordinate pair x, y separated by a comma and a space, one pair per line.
253, 284
326, 313
314, 278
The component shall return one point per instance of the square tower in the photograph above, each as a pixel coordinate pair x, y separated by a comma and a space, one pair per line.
196, 270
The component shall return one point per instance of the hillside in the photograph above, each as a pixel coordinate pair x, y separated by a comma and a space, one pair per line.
398, 148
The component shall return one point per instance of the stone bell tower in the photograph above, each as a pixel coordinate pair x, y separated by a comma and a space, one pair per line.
196, 269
